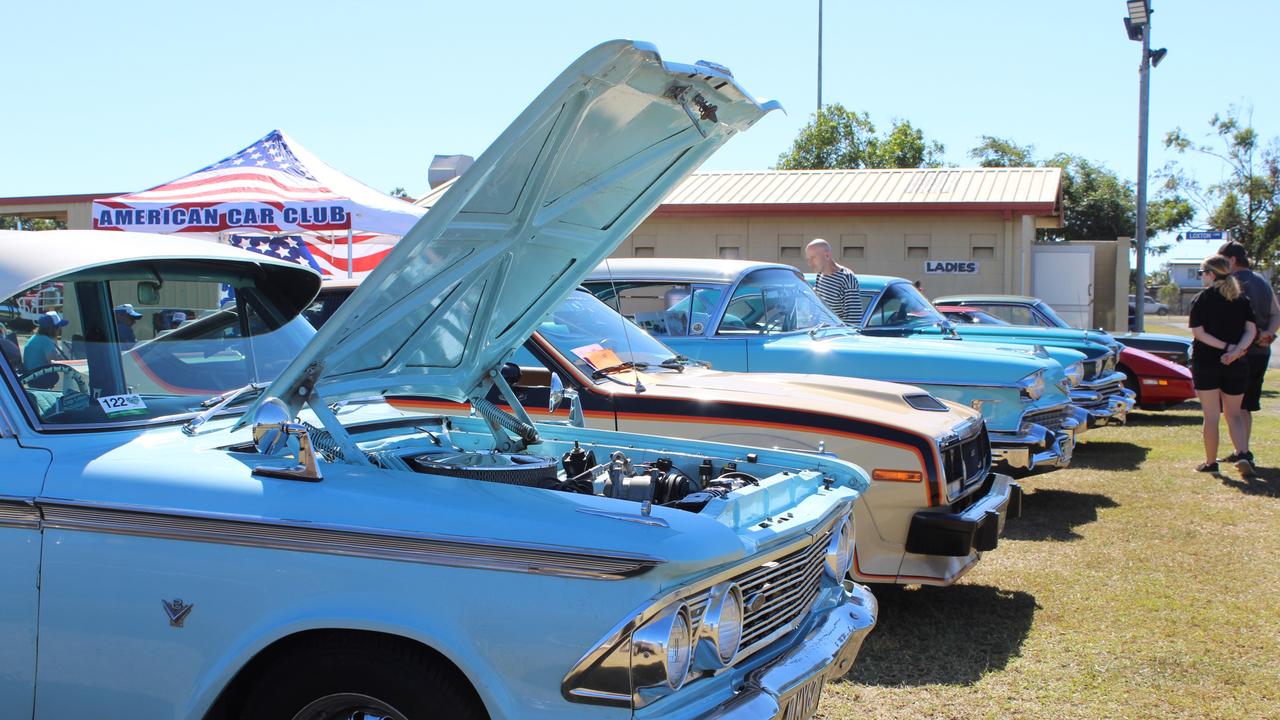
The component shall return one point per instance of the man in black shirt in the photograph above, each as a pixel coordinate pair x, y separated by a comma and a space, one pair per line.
1266, 314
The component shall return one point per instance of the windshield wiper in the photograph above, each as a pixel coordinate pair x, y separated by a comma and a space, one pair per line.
216, 403
609, 370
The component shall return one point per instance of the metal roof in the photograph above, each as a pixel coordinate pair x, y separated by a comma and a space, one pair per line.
676, 269
1014, 188
1035, 190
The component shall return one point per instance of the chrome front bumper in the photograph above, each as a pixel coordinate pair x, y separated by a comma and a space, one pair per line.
977, 527
791, 686
1035, 446
1112, 409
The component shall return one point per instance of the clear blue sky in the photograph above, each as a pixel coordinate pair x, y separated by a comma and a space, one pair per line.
120, 96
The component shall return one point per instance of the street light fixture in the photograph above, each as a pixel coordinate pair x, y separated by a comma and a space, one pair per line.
1137, 25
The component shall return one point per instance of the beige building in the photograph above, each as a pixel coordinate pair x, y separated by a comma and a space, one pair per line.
954, 229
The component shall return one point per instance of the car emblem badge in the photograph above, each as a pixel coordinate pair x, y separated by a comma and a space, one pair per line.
177, 612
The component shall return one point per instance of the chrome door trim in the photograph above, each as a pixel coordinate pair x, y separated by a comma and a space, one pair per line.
349, 541
19, 513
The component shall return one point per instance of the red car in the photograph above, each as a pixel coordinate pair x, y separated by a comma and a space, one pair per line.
1158, 382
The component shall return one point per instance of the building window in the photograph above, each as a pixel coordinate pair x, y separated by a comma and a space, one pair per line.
982, 246
917, 252
790, 254
853, 247
643, 252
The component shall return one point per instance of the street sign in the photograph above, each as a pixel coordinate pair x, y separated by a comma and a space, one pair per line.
1206, 235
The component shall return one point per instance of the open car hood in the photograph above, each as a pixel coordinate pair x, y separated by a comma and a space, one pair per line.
576, 172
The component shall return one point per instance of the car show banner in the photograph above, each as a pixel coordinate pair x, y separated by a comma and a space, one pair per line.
275, 192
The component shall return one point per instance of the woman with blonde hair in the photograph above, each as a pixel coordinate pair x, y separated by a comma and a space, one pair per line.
1222, 323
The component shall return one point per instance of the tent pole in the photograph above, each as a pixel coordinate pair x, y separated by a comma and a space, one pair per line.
348, 253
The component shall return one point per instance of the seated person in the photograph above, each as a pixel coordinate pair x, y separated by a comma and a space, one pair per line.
9, 349
43, 347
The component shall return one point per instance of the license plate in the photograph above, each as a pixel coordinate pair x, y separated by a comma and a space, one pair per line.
802, 704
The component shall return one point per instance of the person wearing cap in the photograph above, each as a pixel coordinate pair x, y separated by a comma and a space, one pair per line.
1266, 312
43, 347
126, 316
124, 319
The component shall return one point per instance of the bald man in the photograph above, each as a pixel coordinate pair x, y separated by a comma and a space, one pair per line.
837, 286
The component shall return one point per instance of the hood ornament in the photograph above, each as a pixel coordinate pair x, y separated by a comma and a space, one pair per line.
177, 611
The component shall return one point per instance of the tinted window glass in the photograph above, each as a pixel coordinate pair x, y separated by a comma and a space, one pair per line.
901, 305
774, 300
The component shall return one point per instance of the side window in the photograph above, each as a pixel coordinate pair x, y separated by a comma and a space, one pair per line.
660, 309
899, 306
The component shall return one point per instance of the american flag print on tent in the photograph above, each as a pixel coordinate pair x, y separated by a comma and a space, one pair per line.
282, 247
264, 187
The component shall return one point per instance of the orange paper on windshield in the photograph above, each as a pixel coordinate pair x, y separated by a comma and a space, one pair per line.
602, 358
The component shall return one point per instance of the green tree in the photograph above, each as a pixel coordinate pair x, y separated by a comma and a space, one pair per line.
1096, 203
1001, 152
1247, 200
10, 222
399, 192
840, 138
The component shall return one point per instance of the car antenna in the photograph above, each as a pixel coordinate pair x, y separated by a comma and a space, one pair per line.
613, 287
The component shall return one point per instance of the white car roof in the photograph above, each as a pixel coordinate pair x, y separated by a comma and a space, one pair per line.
32, 256
672, 269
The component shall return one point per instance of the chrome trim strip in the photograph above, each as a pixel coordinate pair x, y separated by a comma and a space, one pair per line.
19, 513
431, 549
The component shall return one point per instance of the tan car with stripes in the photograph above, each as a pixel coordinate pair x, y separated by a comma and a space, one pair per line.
934, 504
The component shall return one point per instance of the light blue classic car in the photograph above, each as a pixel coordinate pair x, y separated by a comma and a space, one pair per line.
763, 317
895, 308
174, 551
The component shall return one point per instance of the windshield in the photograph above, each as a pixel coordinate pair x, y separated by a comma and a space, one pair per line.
975, 317
594, 337
146, 341
774, 300
1054, 317
901, 305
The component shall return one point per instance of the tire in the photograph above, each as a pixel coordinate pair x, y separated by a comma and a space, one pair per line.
380, 677
1162, 311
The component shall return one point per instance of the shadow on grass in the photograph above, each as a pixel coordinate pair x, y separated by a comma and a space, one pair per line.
1164, 419
1055, 514
943, 635
1266, 484
1109, 455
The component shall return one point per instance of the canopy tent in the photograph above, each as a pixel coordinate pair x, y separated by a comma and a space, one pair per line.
275, 197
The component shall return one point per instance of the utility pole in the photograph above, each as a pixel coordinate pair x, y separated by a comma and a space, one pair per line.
1144, 101
819, 56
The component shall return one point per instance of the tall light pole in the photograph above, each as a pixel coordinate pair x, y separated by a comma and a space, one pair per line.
819, 56
1138, 26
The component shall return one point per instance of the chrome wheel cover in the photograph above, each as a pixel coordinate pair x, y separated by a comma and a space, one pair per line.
348, 706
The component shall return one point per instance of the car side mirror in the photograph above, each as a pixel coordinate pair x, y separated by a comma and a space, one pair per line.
272, 428
557, 395
148, 292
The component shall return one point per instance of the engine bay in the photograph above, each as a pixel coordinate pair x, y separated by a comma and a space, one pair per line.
462, 447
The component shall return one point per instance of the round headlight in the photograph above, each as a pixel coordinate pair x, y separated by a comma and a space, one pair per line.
840, 550
1032, 386
720, 633
679, 650
662, 651
1075, 373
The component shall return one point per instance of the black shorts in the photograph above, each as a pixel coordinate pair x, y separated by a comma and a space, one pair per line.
1208, 373
1257, 372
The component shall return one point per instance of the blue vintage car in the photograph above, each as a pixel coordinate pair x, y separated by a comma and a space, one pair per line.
250, 531
763, 317
895, 308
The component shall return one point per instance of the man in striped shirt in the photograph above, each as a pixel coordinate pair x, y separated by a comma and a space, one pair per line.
837, 286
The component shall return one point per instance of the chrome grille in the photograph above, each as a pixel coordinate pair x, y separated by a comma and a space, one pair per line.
1053, 418
787, 587
968, 461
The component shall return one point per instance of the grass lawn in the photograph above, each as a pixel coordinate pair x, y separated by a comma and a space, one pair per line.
1132, 587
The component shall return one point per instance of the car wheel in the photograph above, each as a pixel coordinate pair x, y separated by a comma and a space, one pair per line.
1162, 311
377, 679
